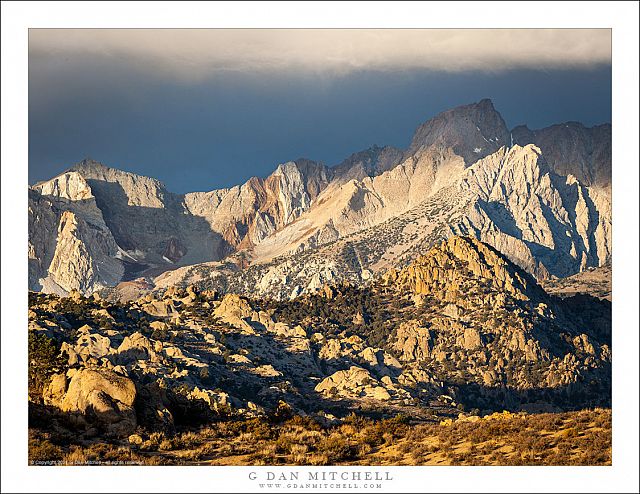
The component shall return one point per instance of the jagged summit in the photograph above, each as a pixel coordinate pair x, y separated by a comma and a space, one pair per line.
572, 148
473, 131
89, 164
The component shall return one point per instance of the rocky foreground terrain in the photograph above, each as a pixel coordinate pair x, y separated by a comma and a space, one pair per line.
461, 329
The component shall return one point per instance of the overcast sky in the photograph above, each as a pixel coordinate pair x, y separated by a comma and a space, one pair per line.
204, 109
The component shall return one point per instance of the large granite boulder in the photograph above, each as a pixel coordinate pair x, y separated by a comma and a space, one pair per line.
100, 396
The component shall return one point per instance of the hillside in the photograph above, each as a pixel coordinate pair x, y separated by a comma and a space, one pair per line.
462, 328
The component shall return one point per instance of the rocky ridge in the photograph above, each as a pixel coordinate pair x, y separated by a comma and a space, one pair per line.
549, 225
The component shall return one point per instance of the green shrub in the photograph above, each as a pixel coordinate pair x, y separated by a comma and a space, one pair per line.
336, 448
44, 361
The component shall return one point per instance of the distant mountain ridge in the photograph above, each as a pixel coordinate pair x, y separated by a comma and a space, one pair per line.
573, 149
455, 162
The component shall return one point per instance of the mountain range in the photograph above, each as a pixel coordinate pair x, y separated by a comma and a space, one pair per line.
540, 197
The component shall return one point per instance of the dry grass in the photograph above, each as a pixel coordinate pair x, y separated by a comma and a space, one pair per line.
572, 438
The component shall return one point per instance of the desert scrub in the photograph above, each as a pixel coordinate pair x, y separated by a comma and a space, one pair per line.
42, 450
505, 440
154, 441
259, 429
76, 456
336, 447
286, 442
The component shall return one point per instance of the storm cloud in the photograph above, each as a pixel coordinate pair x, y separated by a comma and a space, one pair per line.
203, 109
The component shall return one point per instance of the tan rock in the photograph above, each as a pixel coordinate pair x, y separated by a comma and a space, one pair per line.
160, 308
370, 355
379, 393
99, 394
103, 313
352, 382
413, 341
75, 295
267, 371
136, 347
159, 325
471, 339
233, 306
54, 393
135, 439
93, 345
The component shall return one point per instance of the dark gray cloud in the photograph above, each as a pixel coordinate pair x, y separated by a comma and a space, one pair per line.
205, 132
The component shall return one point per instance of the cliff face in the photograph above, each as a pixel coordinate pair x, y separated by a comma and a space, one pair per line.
70, 245
84, 258
43, 222
547, 223
573, 149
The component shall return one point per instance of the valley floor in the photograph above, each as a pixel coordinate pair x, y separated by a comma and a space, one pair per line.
570, 438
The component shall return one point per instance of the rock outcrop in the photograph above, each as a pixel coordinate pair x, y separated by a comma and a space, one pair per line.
99, 395
445, 269
354, 382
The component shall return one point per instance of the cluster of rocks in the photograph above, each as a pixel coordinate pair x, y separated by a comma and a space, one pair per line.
193, 354
467, 325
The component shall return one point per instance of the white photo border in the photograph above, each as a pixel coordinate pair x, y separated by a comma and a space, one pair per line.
621, 17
